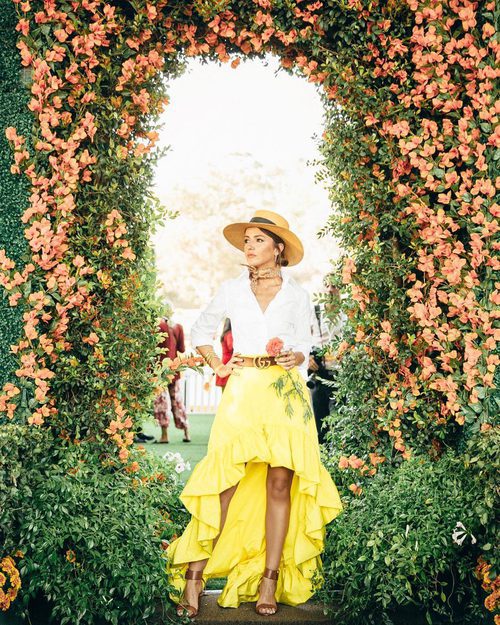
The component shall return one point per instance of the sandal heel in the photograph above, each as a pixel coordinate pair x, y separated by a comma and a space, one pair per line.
268, 574
192, 612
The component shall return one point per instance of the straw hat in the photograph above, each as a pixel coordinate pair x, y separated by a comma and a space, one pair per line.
294, 251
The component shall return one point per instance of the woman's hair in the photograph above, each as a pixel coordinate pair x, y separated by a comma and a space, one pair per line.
280, 260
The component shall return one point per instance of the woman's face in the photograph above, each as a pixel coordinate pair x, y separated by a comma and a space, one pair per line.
259, 248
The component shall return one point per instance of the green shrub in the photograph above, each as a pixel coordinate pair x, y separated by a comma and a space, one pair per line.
91, 533
482, 457
17, 444
393, 548
349, 427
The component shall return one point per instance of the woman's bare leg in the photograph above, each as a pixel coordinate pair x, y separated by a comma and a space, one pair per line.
164, 434
279, 482
193, 587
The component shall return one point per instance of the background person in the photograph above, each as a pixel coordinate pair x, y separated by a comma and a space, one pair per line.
171, 400
226, 340
325, 329
162, 411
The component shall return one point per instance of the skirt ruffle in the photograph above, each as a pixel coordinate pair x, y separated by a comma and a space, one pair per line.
251, 431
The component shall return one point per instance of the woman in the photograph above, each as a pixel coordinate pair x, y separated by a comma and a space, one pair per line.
260, 499
171, 400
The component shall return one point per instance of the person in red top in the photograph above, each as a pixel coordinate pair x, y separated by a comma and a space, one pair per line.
171, 400
226, 340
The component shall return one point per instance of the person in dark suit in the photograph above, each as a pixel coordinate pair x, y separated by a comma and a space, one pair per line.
322, 366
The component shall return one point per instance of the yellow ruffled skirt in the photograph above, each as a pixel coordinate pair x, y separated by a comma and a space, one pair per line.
251, 431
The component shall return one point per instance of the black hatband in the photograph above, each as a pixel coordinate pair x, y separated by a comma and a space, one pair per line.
261, 220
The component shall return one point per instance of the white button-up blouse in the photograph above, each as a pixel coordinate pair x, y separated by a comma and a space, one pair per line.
288, 316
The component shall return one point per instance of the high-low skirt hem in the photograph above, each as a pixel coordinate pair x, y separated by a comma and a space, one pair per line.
250, 433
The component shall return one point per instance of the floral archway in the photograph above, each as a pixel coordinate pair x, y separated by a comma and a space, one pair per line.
410, 147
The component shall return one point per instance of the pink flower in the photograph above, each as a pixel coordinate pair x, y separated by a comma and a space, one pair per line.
274, 346
91, 339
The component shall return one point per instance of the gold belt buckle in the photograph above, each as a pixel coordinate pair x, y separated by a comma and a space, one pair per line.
261, 362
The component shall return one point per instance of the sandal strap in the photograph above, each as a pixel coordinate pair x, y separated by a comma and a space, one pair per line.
191, 610
190, 574
271, 573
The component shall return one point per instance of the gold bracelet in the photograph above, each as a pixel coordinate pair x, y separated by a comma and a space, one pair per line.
209, 357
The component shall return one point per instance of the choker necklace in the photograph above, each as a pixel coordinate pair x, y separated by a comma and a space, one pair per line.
261, 274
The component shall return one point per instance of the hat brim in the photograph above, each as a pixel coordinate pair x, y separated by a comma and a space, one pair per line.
294, 250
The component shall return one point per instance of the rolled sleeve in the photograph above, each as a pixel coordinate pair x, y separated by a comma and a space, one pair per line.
303, 327
204, 328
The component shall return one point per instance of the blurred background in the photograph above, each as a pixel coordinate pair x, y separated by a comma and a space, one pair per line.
238, 140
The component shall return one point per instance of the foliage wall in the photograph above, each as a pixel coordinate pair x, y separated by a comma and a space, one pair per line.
14, 190
78, 283
410, 150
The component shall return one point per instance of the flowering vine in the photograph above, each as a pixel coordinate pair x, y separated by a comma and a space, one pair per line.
410, 145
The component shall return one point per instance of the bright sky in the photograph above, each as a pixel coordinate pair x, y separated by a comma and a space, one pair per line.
217, 112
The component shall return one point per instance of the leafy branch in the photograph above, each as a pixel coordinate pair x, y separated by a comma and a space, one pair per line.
288, 388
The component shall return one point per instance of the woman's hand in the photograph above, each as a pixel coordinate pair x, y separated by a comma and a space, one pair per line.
230, 368
288, 360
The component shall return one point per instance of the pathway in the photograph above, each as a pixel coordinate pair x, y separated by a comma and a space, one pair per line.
211, 614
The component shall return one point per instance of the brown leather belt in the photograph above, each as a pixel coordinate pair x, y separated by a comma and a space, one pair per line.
261, 362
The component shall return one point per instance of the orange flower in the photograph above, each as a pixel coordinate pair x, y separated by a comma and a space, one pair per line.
274, 346
91, 339
355, 489
151, 12
355, 462
343, 463
8, 566
70, 556
348, 269
128, 254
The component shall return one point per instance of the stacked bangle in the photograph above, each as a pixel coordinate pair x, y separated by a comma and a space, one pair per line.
209, 357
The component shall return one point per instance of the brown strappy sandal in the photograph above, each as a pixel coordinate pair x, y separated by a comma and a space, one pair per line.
268, 574
185, 607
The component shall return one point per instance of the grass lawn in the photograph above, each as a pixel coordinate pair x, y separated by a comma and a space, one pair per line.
194, 451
